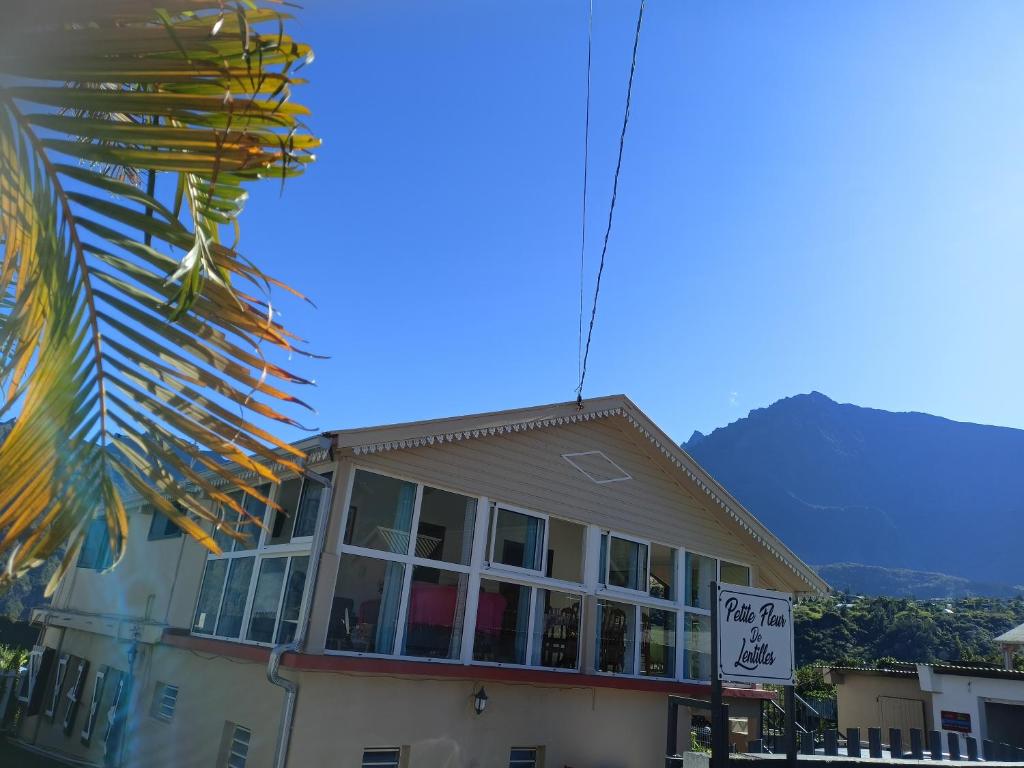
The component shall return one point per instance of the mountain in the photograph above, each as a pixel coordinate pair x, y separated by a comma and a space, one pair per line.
844, 484
874, 580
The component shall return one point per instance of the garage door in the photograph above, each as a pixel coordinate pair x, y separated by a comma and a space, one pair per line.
901, 713
1004, 723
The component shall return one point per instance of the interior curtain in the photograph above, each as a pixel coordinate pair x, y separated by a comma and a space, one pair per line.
391, 593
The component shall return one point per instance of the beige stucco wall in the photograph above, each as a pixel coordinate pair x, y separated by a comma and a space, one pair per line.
857, 697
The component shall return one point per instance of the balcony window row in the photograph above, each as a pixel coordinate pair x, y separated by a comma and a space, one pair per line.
414, 582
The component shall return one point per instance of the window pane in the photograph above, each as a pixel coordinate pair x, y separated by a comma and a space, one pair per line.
520, 757
255, 510
518, 539
502, 621
293, 590
284, 518
700, 572
698, 647
381, 758
380, 515
263, 615
437, 607
160, 526
658, 645
565, 550
602, 570
221, 535
209, 596
236, 591
627, 564
309, 505
556, 630
446, 526
731, 573
367, 596
616, 636
663, 572
95, 551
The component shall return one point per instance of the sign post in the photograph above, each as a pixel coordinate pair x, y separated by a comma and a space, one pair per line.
752, 642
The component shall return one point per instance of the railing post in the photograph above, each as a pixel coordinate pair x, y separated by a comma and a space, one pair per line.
895, 743
807, 743
671, 743
988, 748
831, 742
853, 742
953, 739
935, 744
791, 746
916, 744
972, 748
875, 742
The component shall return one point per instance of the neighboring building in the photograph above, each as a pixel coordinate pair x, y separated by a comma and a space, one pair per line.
1010, 643
557, 558
970, 700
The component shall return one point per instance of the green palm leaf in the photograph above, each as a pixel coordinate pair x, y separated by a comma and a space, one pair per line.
134, 342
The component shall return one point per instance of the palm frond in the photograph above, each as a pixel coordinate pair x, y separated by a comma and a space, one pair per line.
133, 339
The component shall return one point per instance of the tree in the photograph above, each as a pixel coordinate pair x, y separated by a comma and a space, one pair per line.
134, 338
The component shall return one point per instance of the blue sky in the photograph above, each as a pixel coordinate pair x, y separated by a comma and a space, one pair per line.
813, 196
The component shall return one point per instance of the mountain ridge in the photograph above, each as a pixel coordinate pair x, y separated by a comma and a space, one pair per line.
840, 483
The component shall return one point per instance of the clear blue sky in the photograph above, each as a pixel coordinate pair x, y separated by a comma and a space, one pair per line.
814, 196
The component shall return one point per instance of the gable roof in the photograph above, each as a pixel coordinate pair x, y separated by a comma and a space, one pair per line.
1013, 636
369, 440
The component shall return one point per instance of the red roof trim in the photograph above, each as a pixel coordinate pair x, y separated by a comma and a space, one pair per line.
309, 662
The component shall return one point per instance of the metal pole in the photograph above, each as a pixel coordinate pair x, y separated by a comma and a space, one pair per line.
791, 726
719, 739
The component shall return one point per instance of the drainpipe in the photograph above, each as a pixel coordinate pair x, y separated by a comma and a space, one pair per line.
291, 688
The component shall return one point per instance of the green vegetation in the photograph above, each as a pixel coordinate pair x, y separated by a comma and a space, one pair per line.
12, 658
871, 631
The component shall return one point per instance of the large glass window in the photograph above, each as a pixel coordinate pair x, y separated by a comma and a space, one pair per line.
565, 550
294, 589
658, 643
367, 598
263, 615
246, 524
437, 605
700, 572
663, 572
205, 621
627, 564
518, 539
556, 630
697, 656
731, 573
446, 526
502, 622
236, 592
299, 499
616, 636
380, 513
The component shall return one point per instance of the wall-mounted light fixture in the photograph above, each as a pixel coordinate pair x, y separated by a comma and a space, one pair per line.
480, 701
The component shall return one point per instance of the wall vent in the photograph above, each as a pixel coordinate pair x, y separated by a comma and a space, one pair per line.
597, 467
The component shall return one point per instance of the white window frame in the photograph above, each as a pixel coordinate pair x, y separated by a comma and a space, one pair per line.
160, 701
299, 547
74, 696
58, 684
98, 684
482, 566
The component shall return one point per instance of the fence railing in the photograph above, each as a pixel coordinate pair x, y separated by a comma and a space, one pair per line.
8, 699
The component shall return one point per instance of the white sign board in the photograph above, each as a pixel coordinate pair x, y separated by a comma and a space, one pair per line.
755, 635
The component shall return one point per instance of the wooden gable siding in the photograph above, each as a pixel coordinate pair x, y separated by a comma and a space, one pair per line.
527, 469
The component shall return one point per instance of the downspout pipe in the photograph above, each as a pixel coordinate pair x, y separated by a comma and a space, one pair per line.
298, 643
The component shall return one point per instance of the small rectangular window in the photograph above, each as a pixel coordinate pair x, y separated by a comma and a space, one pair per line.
165, 700
236, 752
518, 539
627, 564
367, 596
663, 572
616, 636
446, 526
697, 659
384, 757
160, 526
658, 647
522, 757
502, 622
700, 572
565, 550
96, 553
380, 513
731, 573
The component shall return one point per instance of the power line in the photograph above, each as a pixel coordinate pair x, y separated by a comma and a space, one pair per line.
586, 166
611, 207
